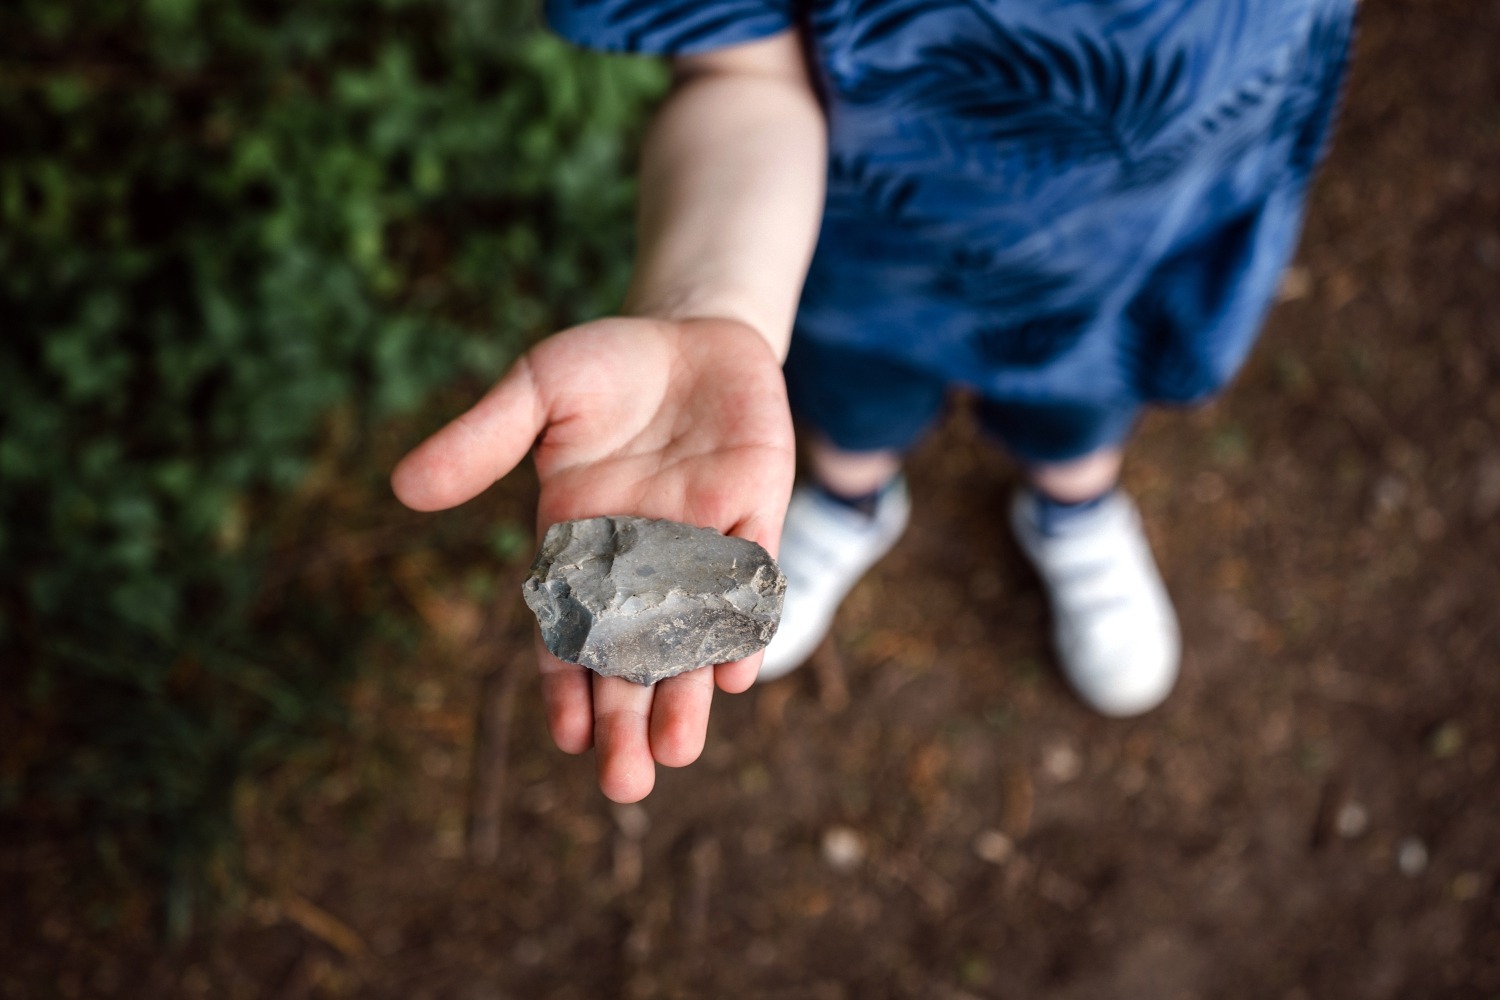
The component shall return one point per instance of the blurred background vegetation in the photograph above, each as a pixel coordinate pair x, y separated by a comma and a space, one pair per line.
239, 239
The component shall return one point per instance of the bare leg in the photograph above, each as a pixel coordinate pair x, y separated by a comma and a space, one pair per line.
851, 473
1079, 480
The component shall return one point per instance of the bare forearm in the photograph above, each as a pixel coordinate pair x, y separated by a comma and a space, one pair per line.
731, 195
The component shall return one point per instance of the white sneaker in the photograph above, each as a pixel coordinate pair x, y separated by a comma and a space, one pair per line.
1113, 623
825, 548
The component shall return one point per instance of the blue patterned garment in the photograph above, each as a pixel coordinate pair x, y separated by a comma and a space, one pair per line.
1076, 202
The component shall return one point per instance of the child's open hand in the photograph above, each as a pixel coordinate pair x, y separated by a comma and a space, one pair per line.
681, 420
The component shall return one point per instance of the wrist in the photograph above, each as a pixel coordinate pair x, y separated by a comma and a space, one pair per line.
683, 304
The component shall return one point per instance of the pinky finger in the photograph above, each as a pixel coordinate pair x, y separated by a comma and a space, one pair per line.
733, 678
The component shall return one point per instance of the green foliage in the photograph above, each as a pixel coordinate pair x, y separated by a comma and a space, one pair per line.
220, 224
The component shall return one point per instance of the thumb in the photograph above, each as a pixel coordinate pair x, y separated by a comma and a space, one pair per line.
477, 448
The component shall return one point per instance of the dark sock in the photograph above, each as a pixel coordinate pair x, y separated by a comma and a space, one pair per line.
1053, 517
864, 503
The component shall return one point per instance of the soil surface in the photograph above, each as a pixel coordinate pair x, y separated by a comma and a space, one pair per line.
925, 811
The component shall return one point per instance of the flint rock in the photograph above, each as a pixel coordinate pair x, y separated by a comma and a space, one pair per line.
647, 600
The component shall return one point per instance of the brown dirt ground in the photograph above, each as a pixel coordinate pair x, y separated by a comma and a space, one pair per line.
927, 812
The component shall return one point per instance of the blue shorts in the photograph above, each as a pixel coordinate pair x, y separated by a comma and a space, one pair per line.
1072, 209
865, 402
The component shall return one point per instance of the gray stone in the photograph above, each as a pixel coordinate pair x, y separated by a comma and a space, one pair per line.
647, 600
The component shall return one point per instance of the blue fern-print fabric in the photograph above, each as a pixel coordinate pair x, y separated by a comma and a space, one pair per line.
1086, 202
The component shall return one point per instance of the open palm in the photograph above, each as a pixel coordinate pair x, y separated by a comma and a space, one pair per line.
680, 420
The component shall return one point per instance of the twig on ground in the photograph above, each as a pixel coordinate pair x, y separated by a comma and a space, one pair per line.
496, 707
324, 926
833, 688
703, 866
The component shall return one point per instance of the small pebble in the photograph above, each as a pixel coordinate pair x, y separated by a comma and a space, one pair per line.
633, 820
1389, 494
1062, 763
994, 847
1467, 886
1352, 821
843, 848
1446, 740
1296, 283
1411, 857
